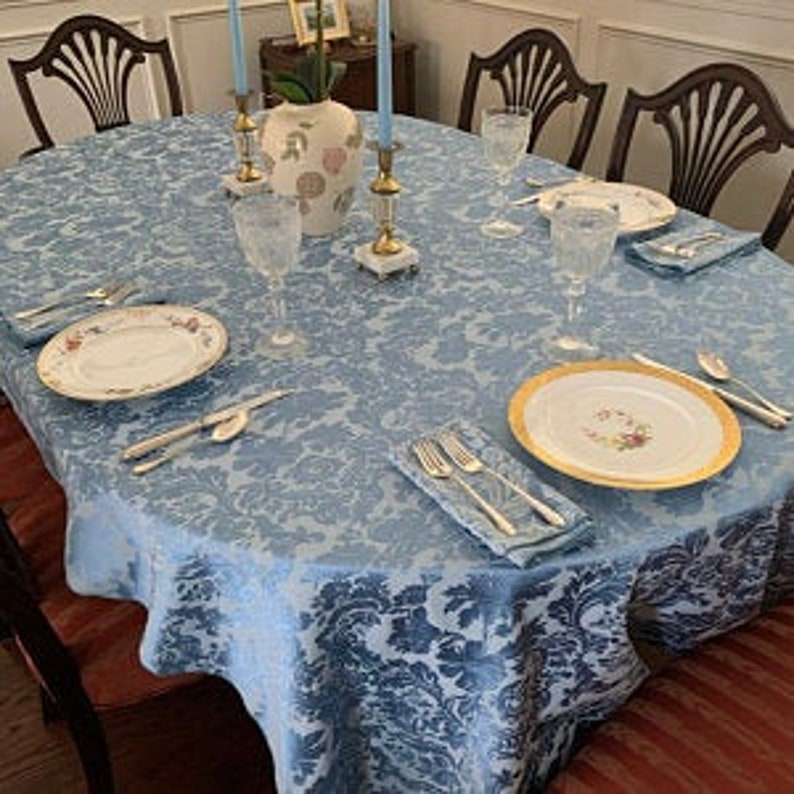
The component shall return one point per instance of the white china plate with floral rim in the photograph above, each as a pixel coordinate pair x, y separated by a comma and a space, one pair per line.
640, 208
131, 352
624, 425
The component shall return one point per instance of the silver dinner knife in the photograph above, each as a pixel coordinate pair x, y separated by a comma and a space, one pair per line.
141, 448
749, 407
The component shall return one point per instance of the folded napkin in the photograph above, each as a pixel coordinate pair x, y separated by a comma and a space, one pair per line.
535, 538
48, 324
646, 254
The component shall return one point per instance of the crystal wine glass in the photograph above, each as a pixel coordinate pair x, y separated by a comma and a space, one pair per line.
269, 230
583, 233
505, 134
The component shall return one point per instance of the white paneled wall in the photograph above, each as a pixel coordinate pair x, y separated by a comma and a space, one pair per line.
642, 43
199, 37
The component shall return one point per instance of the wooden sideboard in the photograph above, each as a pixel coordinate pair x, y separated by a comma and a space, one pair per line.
358, 88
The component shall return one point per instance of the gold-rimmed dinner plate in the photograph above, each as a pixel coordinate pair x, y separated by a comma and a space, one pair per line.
640, 208
132, 351
624, 425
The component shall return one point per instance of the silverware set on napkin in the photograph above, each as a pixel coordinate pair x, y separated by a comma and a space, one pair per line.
444, 456
110, 294
688, 247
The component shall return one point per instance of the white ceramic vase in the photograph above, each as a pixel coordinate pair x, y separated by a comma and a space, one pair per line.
314, 152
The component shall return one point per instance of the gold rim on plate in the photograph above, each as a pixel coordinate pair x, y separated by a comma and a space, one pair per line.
624, 425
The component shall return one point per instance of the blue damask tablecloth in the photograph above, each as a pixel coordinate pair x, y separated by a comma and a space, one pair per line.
379, 646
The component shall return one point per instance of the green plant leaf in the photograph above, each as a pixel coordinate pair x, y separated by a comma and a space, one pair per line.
336, 71
290, 87
307, 70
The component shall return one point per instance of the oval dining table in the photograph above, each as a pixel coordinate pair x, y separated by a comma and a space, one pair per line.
380, 646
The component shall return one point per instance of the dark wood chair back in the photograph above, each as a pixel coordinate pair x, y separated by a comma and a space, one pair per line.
95, 57
781, 217
534, 69
53, 665
83, 651
716, 118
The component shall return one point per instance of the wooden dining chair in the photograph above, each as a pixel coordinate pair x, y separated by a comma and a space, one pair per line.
83, 651
720, 719
535, 69
96, 58
716, 118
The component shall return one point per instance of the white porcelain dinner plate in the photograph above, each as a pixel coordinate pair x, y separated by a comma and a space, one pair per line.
131, 352
624, 425
639, 207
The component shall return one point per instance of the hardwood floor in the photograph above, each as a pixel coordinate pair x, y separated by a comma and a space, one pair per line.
198, 740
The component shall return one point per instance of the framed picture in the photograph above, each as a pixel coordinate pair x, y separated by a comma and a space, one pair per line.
304, 20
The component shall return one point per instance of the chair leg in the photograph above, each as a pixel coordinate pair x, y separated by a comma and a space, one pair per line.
50, 711
89, 738
56, 669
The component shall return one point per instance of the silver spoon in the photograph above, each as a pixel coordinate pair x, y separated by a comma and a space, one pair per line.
224, 431
718, 368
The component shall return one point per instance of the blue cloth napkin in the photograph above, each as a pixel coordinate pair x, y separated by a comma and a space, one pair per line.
646, 255
30, 334
535, 538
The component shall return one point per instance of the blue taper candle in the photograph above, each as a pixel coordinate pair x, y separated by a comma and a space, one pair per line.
238, 49
384, 76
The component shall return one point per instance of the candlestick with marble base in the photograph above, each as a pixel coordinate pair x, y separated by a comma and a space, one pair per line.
386, 255
248, 179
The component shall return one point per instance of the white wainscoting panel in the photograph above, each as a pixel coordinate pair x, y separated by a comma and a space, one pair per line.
442, 61
202, 47
653, 58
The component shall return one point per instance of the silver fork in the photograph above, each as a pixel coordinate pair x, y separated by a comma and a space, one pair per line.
99, 293
686, 249
117, 296
467, 461
435, 465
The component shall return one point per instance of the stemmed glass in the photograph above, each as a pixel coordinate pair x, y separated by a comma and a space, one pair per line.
583, 234
269, 230
505, 134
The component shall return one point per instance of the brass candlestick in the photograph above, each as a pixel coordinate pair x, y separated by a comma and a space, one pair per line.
387, 255
385, 189
245, 138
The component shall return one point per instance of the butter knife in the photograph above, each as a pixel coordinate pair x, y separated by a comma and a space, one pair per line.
550, 185
141, 448
747, 406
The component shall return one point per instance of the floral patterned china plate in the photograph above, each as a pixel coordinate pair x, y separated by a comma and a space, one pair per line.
131, 352
624, 425
641, 209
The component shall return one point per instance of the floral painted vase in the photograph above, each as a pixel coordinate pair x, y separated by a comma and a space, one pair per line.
314, 152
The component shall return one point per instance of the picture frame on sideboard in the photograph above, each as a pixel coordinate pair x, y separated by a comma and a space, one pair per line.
304, 19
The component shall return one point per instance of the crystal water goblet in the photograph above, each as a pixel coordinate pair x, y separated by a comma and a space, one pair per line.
583, 234
505, 133
269, 230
